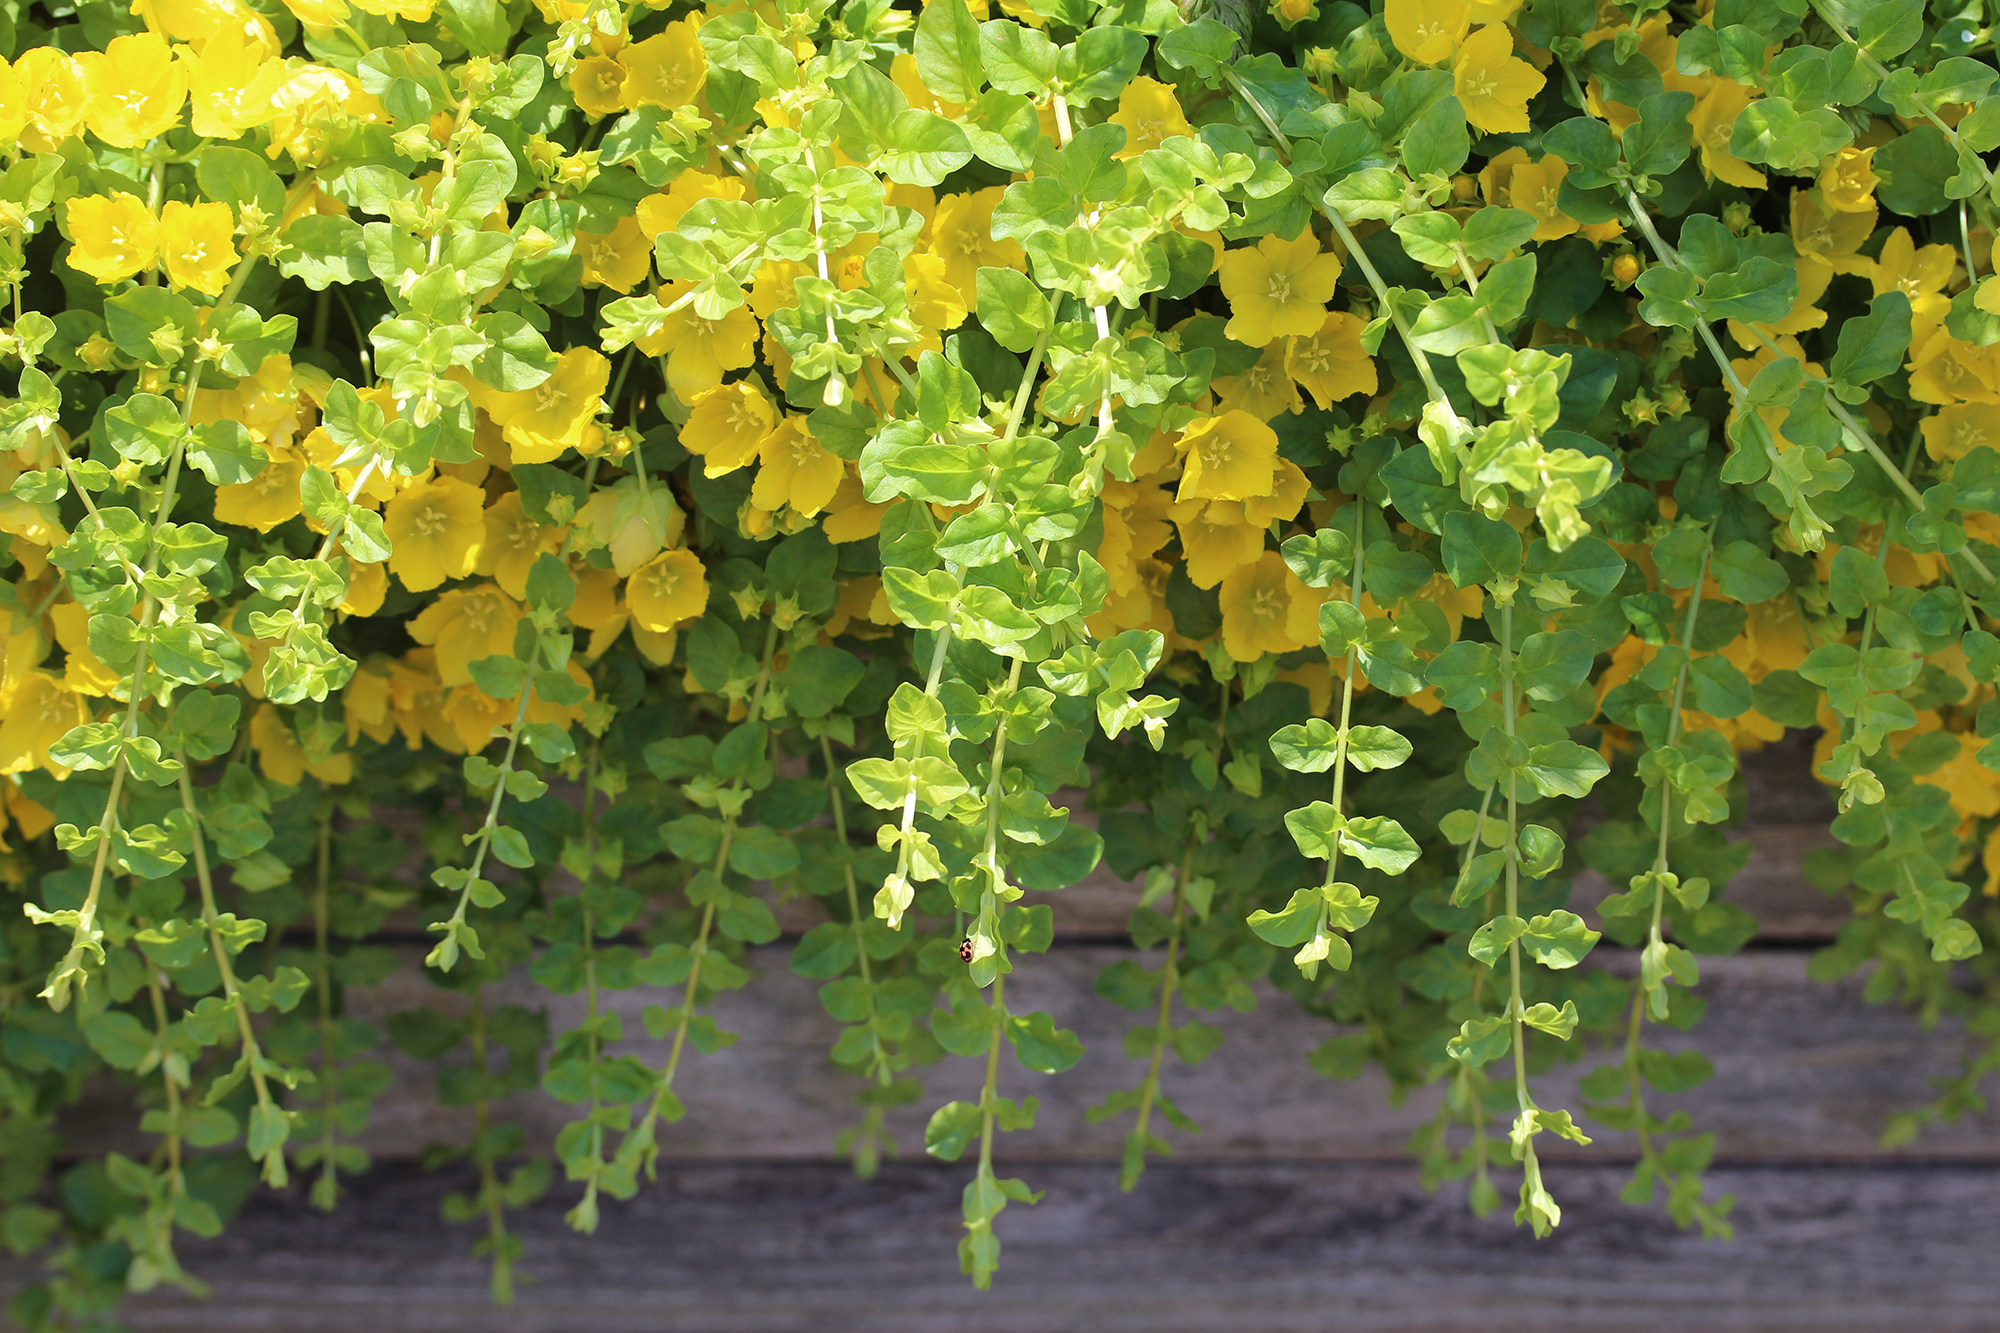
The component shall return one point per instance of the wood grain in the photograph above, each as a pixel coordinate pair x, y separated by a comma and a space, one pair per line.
1804, 1070
1267, 1247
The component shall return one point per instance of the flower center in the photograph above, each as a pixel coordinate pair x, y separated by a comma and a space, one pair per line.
430, 523
1264, 605
1281, 288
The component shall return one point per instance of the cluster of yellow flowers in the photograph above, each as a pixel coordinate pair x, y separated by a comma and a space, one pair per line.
1213, 489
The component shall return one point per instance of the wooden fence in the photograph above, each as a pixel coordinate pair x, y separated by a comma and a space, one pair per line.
1296, 1209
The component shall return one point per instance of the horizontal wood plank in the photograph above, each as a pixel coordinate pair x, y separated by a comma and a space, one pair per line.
1804, 1070
1272, 1247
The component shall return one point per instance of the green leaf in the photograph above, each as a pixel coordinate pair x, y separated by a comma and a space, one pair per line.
1564, 768
1307, 747
947, 51
1371, 748
1490, 941
1438, 142
1294, 924
1875, 344
1478, 550
1011, 307
1558, 939
1379, 843
1040, 1045
1661, 139
1202, 47
1747, 574
225, 453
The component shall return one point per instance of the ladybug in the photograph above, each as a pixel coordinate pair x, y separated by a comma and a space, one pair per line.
965, 950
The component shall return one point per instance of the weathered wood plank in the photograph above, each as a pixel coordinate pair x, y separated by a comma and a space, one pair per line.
1248, 1248
1804, 1070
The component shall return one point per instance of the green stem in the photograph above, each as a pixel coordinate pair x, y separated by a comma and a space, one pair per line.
327, 1193
274, 1158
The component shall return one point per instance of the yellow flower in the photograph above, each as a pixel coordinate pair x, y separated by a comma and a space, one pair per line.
1215, 538
1493, 84
1331, 363
935, 304
1713, 119
474, 716
667, 70
598, 85
367, 585
634, 525
962, 236
1919, 275
365, 702
1289, 488
619, 259
1426, 31
1151, 115
1265, 609
1536, 189
596, 603
1975, 790
83, 671
1849, 180
662, 212
436, 529
1956, 429
1135, 527
727, 425
201, 21
136, 89
319, 16
314, 103
1278, 289
198, 243
1830, 239
1945, 370
416, 700
512, 543
57, 94
699, 350
849, 516
541, 423
668, 592
1264, 390
13, 106
267, 499
231, 82
1230, 457
38, 713
111, 238
795, 471
466, 625
283, 759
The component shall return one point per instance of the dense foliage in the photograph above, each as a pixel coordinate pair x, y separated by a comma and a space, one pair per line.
668, 461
